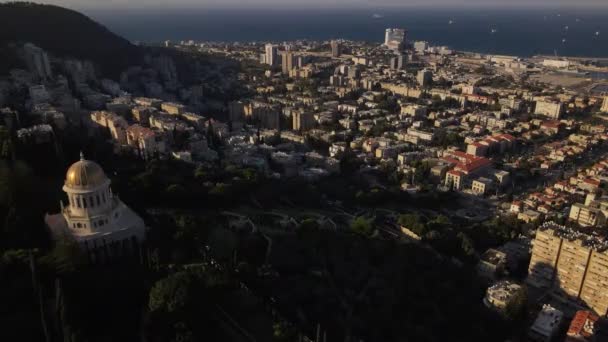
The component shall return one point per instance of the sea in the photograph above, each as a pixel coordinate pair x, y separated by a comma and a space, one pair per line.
520, 32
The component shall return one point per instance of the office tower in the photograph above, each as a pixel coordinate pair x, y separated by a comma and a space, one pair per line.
335, 48
337, 80
354, 72
303, 121
401, 61
288, 62
263, 115
37, 61
236, 111
573, 264
394, 39
271, 54
421, 46
393, 63
424, 78
605, 105
301, 61
398, 62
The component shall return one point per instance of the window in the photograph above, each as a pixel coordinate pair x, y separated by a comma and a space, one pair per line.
104, 197
98, 200
78, 202
84, 202
79, 225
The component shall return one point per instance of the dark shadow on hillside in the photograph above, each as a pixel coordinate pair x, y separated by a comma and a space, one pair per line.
66, 33
375, 290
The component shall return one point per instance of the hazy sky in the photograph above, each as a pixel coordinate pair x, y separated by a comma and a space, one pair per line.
91, 4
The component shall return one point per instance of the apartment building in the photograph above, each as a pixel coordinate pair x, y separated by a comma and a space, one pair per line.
605, 105
550, 109
587, 216
574, 265
173, 108
117, 125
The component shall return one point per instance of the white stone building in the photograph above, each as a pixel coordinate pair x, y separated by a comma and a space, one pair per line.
500, 295
546, 324
93, 216
550, 109
605, 105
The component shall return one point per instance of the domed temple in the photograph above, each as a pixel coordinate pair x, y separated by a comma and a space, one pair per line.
93, 216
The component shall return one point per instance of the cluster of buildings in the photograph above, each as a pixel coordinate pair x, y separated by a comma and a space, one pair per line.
438, 119
157, 128
578, 198
395, 103
570, 268
567, 274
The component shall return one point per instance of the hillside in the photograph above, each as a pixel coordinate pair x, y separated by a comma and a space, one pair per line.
66, 33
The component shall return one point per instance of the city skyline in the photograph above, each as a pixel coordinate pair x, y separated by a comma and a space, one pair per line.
259, 172
291, 4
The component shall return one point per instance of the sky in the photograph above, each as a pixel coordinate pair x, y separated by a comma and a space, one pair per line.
149, 4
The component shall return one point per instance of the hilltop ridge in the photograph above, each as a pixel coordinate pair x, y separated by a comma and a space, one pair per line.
65, 33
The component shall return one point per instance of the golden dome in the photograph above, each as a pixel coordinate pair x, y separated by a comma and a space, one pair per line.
85, 173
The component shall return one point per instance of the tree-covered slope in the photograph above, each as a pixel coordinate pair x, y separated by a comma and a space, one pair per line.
66, 33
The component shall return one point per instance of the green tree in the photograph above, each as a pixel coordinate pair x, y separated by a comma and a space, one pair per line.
362, 225
466, 244
66, 257
414, 223
440, 223
283, 331
223, 243
182, 333
516, 309
176, 190
173, 294
308, 224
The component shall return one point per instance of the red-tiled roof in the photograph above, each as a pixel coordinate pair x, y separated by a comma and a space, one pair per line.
577, 326
551, 124
592, 181
451, 160
473, 165
506, 137
469, 163
456, 173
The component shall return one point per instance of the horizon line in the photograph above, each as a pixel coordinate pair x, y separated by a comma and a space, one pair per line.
331, 6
